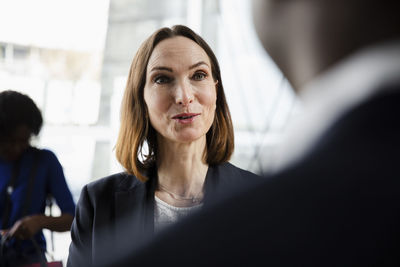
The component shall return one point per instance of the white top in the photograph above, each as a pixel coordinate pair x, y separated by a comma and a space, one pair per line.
166, 214
336, 91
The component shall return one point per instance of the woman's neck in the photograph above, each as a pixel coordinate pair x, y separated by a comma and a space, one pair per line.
181, 167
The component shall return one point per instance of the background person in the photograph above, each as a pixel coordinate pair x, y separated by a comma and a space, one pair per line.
175, 103
334, 197
28, 175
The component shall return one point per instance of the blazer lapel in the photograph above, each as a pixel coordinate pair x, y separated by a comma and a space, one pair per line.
134, 214
129, 214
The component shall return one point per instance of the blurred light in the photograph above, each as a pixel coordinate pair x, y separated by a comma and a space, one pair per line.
61, 24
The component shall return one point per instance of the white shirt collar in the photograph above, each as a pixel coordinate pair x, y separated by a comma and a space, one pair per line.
333, 93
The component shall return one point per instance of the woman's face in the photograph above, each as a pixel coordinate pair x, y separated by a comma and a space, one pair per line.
180, 92
13, 146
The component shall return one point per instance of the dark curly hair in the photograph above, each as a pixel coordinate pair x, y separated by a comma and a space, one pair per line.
18, 109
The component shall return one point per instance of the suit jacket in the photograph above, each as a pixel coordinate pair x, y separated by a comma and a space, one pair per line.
116, 213
339, 206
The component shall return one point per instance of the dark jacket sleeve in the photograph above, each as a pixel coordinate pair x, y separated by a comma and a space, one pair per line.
80, 250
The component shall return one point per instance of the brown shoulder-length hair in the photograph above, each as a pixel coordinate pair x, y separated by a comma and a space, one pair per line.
136, 130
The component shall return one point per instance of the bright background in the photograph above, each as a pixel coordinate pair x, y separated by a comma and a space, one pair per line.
73, 56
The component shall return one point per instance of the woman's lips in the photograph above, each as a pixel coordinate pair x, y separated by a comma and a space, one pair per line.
185, 117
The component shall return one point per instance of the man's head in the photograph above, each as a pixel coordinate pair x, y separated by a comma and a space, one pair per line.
306, 37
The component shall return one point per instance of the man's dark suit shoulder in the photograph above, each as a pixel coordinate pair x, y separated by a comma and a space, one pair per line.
338, 206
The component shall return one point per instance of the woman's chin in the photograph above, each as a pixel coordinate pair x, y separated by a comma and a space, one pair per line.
182, 136
188, 136
188, 139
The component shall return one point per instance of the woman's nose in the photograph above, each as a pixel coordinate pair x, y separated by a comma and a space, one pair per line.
184, 94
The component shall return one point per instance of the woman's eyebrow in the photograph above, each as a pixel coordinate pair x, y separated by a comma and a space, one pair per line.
161, 68
198, 64
170, 69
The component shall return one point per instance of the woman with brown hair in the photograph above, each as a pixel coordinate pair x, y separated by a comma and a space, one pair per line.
175, 140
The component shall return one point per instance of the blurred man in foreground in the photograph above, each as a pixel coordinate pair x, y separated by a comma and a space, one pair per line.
334, 198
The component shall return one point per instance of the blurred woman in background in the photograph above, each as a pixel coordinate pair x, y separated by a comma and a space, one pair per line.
28, 176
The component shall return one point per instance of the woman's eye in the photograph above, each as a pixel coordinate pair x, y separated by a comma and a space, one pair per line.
198, 76
162, 79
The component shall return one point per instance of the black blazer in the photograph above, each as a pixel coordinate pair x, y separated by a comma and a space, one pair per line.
339, 206
117, 212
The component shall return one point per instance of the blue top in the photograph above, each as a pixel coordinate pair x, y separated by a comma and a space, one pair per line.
49, 179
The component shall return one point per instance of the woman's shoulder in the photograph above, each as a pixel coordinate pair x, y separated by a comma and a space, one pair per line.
224, 179
44, 153
237, 171
116, 182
